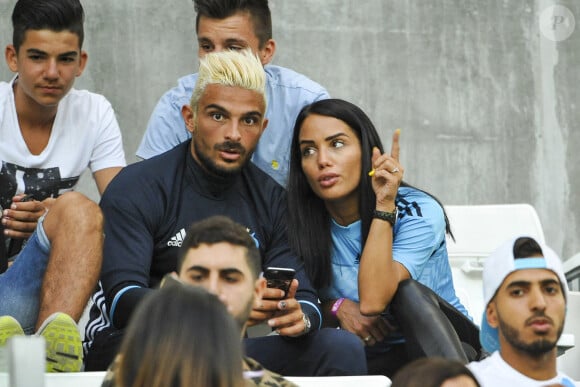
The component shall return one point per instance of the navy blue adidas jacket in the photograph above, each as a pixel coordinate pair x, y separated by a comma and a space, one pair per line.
149, 206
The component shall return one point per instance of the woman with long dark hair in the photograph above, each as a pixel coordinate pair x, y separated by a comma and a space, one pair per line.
372, 245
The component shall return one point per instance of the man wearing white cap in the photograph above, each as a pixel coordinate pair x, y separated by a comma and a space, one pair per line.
525, 292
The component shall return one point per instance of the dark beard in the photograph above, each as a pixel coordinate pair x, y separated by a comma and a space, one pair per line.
209, 165
535, 349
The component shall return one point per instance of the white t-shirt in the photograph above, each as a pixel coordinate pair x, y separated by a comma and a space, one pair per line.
495, 372
85, 134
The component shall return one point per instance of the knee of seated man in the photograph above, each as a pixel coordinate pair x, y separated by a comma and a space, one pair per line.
73, 208
76, 204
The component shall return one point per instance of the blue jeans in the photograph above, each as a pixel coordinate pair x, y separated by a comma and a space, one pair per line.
20, 284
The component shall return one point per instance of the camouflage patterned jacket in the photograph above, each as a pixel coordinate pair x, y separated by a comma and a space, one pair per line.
254, 373
258, 376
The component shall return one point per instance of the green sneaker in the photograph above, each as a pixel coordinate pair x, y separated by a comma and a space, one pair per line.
9, 328
64, 350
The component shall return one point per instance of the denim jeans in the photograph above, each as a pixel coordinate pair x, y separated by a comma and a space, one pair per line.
20, 284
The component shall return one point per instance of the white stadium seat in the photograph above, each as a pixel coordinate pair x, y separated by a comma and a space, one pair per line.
94, 379
479, 230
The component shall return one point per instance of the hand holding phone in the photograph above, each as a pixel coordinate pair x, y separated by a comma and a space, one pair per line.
279, 278
16, 244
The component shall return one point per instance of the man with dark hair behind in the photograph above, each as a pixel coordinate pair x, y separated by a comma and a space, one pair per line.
235, 25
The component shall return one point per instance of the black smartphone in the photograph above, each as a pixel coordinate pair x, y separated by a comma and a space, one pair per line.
27, 198
279, 278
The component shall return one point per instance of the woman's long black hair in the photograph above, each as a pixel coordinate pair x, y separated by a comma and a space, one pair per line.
309, 221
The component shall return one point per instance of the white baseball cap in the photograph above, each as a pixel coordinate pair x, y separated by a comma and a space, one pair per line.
498, 266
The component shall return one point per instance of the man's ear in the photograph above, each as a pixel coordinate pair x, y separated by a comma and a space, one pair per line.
491, 315
267, 52
11, 57
82, 62
188, 117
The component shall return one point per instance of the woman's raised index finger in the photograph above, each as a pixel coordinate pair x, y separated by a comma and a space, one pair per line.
395, 146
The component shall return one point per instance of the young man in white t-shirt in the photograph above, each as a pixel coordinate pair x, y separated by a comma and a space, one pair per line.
525, 291
50, 133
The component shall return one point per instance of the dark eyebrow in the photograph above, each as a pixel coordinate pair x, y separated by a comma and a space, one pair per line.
335, 136
225, 271
35, 51
231, 270
228, 40
549, 281
326, 139
253, 113
202, 269
234, 40
70, 53
224, 110
516, 284
216, 107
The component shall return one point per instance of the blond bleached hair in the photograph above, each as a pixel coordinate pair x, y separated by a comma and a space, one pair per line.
241, 69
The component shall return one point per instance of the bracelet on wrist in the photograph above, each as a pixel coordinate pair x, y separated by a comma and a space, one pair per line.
390, 217
336, 305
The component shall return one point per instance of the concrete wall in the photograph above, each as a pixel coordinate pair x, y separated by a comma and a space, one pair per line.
489, 108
